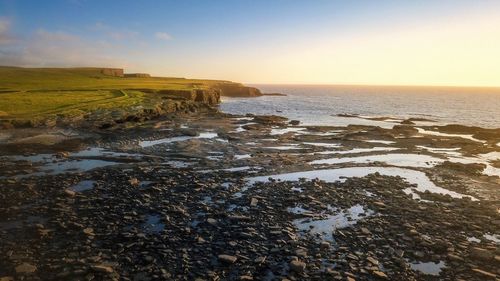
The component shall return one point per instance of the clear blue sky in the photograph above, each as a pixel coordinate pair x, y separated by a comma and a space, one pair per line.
316, 41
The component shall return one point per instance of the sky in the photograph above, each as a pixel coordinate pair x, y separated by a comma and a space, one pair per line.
383, 42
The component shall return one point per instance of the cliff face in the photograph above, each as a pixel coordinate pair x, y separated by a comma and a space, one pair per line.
237, 90
117, 72
205, 96
121, 99
136, 75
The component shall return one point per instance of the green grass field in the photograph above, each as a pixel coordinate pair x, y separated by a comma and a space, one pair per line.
27, 93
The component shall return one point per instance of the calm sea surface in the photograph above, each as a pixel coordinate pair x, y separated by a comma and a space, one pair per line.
319, 105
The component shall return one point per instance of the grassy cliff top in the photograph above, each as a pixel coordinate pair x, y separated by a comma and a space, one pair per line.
27, 93
51, 79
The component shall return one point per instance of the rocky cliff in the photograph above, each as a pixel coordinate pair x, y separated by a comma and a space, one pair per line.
120, 99
117, 72
237, 90
137, 75
210, 96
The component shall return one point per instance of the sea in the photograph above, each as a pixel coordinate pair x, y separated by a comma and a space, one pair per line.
322, 104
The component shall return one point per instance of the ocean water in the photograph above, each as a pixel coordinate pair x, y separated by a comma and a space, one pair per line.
319, 105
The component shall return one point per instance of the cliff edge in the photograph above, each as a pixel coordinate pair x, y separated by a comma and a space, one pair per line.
102, 97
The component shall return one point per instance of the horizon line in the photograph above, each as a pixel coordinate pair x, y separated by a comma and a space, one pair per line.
373, 85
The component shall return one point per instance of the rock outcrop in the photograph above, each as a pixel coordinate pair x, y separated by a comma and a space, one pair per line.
137, 75
210, 96
237, 90
117, 72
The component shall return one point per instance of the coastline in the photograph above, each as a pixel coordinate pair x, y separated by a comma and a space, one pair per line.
178, 190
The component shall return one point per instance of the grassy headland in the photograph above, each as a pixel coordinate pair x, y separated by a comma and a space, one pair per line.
42, 96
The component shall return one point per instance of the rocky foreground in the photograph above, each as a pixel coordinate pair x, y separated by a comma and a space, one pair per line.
217, 197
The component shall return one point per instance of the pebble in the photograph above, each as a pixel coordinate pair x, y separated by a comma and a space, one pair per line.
324, 245
25, 268
70, 193
102, 268
254, 202
88, 231
212, 221
228, 259
380, 274
372, 260
297, 266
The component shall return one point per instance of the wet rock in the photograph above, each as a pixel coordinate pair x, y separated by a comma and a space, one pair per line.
212, 221
484, 274
70, 193
365, 231
227, 259
62, 154
324, 246
407, 122
297, 266
254, 201
25, 268
372, 260
482, 254
102, 268
88, 231
134, 182
380, 274
260, 260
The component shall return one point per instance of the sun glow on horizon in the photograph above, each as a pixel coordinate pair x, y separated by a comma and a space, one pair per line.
460, 55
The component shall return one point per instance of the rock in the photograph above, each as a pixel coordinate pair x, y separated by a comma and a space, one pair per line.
294, 122
237, 90
212, 221
365, 230
254, 202
455, 257
62, 154
482, 254
260, 260
297, 266
102, 268
246, 278
484, 273
372, 260
324, 245
7, 278
407, 122
227, 259
134, 182
69, 192
88, 231
25, 268
380, 274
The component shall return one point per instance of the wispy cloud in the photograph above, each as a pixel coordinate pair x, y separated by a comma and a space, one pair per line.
5, 37
163, 36
114, 33
57, 48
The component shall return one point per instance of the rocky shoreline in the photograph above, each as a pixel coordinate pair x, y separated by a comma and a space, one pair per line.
212, 196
